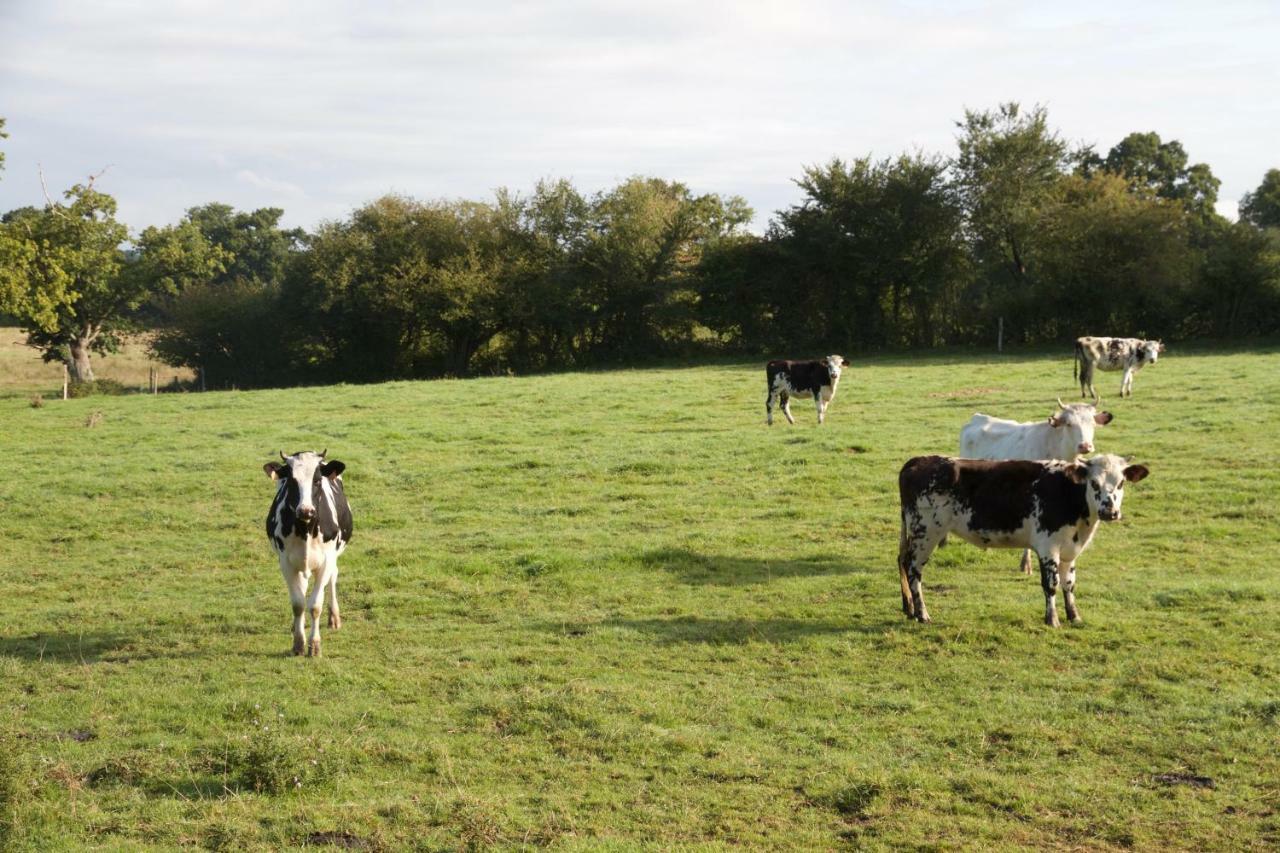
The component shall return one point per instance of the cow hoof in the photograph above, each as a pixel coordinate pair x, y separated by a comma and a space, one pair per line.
923, 618
298, 646
1076, 620
335, 621
1052, 622
314, 650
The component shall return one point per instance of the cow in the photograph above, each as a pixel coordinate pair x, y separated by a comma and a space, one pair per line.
309, 525
1050, 506
818, 377
1067, 433
1127, 354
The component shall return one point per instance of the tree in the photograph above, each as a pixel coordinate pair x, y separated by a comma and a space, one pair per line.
1008, 164
644, 243
259, 248
1261, 207
77, 294
1160, 168
1112, 259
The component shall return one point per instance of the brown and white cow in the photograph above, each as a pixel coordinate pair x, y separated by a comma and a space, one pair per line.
817, 378
1127, 354
1051, 507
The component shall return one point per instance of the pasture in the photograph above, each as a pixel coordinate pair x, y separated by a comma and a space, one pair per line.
613, 609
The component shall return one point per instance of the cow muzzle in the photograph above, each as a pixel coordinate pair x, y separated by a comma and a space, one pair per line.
307, 513
1084, 447
1109, 514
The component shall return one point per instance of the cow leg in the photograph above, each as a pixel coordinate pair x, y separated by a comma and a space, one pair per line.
913, 553
297, 584
1026, 561
335, 615
315, 601
1126, 383
821, 405
1049, 581
786, 406
768, 408
1067, 580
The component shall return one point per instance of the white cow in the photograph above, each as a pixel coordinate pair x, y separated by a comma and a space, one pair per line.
1067, 433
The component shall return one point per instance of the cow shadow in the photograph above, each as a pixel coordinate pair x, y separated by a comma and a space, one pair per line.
699, 630
85, 647
692, 567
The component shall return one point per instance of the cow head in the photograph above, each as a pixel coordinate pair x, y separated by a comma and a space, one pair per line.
1074, 423
1103, 478
1150, 351
834, 363
299, 476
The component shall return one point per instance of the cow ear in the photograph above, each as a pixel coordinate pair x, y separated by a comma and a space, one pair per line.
1054, 421
844, 362
1078, 473
272, 470
1134, 473
1103, 418
332, 469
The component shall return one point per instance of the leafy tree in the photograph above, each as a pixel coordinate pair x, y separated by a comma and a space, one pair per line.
645, 241
1239, 290
259, 248
1006, 170
1111, 259
1262, 206
78, 294
1160, 168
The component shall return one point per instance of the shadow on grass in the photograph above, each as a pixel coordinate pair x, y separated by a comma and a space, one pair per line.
85, 647
737, 631
694, 568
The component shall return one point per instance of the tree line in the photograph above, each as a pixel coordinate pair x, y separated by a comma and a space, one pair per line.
918, 250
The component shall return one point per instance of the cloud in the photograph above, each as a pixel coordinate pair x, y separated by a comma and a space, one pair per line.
319, 108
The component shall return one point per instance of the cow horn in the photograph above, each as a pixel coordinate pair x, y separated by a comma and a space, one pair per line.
323, 452
283, 457
1061, 405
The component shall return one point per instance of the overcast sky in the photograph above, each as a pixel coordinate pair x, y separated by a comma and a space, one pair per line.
318, 107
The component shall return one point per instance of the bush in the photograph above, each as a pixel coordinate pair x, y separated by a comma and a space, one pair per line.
104, 387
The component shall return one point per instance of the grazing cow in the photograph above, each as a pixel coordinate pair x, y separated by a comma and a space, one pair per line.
1050, 506
1067, 434
309, 525
786, 378
1127, 354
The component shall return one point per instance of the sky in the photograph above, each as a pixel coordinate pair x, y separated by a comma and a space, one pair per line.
319, 106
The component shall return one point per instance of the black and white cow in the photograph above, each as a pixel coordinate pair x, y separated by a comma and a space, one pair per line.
1051, 507
309, 526
816, 378
1127, 354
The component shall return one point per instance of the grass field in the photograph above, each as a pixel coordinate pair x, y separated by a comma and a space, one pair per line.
24, 374
614, 610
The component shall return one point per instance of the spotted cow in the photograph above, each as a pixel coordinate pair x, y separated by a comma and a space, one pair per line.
817, 378
1052, 507
1067, 433
309, 525
1127, 354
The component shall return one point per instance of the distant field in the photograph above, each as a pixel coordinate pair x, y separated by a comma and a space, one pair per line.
23, 373
615, 610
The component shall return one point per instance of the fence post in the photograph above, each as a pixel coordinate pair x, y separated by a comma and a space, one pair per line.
201, 371
66, 380
1000, 336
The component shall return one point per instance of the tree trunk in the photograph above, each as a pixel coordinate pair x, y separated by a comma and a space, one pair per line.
78, 363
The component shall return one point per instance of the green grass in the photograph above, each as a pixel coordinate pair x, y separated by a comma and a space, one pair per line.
614, 610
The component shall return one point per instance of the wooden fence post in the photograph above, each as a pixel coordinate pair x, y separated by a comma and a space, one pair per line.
66, 381
1000, 336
